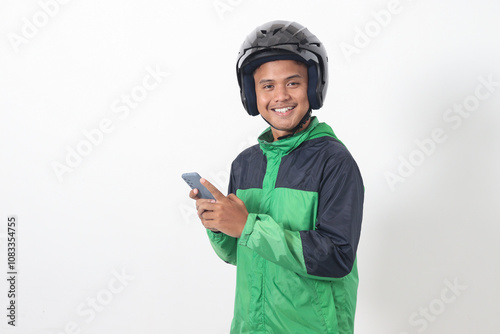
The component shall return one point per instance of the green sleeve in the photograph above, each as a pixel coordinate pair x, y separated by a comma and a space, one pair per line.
274, 243
224, 246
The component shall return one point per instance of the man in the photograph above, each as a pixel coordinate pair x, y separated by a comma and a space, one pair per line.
291, 222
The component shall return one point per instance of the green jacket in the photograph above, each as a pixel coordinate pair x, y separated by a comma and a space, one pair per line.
296, 257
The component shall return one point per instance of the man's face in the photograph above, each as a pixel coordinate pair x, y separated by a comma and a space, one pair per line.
281, 89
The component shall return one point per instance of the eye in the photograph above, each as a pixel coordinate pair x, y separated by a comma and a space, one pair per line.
268, 86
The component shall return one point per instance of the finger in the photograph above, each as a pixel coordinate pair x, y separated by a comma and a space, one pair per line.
213, 190
194, 194
208, 215
208, 226
201, 201
234, 198
205, 206
208, 223
201, 213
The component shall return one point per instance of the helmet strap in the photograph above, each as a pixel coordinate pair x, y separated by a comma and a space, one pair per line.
299, 126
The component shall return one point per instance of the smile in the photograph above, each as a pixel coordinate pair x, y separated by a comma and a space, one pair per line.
283, 110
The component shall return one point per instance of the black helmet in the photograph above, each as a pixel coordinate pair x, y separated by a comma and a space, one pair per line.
279, 40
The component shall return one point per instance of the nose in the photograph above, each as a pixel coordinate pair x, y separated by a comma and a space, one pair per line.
281, 93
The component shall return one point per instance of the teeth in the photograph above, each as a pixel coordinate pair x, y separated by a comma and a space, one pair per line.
283, 110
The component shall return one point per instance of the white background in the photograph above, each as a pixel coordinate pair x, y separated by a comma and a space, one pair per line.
123, 208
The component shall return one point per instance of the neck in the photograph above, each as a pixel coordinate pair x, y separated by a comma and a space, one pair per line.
281, 134
303, 124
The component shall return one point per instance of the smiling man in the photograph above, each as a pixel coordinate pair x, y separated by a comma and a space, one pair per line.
281, 89
292, 220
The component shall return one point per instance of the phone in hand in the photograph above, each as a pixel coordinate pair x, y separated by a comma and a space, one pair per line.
193, 180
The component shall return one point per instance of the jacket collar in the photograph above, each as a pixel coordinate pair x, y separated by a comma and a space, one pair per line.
285, 146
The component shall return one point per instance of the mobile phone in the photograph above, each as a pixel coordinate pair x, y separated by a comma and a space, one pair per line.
193, 180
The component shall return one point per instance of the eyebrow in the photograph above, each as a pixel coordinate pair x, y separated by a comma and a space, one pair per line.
271, 80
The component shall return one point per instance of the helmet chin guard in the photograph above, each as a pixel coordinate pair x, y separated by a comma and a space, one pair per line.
282, 40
